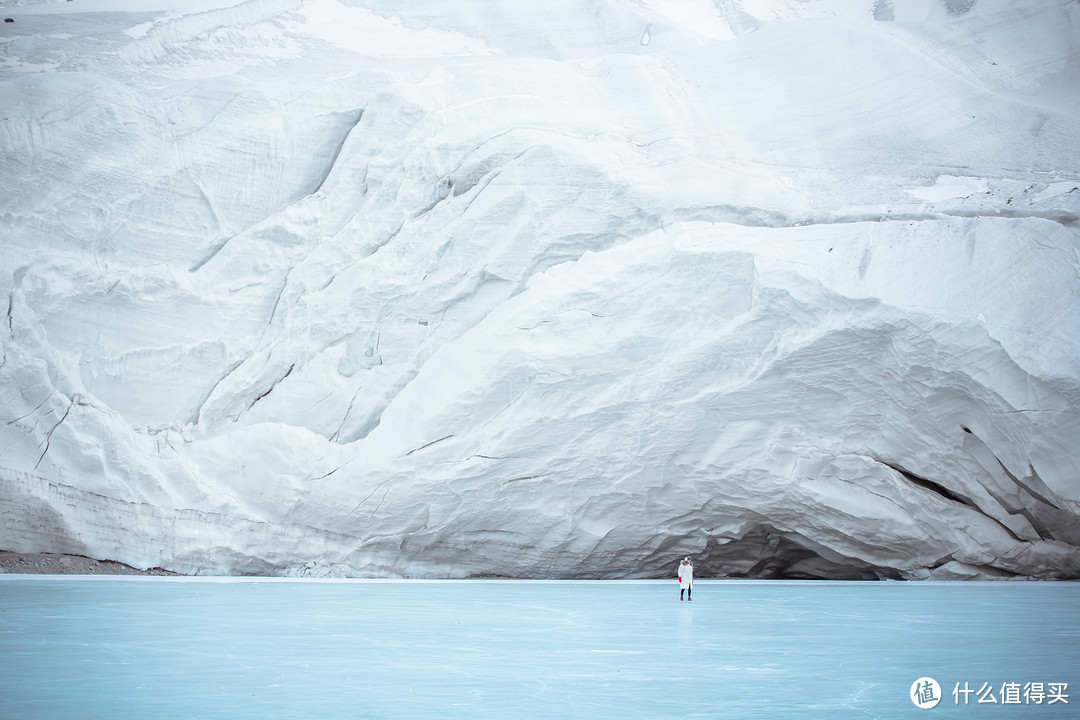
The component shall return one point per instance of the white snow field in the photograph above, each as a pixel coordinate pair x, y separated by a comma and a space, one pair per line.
263, 649
555, 290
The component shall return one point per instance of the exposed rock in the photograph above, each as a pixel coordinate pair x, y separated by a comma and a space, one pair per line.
53, 564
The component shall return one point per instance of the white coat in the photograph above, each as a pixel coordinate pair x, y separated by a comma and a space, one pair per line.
686, 576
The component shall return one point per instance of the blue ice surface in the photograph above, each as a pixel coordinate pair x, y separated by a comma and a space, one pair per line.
82, 648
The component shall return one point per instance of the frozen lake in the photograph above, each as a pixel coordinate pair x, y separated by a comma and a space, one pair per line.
85, 648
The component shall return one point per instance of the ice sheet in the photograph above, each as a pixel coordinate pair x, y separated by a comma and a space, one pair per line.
162, 649
317, 286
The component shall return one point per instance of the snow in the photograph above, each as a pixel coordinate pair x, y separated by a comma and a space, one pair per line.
948, 187
167, 649
67, 7
364, 32
695, 17
310, 285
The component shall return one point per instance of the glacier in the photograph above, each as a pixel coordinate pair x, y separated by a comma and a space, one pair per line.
340, 287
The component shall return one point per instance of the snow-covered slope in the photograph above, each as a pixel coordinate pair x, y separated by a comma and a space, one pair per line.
560, 289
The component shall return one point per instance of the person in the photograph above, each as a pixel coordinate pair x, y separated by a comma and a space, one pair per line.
686, 578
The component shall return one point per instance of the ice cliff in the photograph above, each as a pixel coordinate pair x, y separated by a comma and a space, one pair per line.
561, 289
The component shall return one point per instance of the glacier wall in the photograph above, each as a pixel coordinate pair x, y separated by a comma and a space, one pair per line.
334, 287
